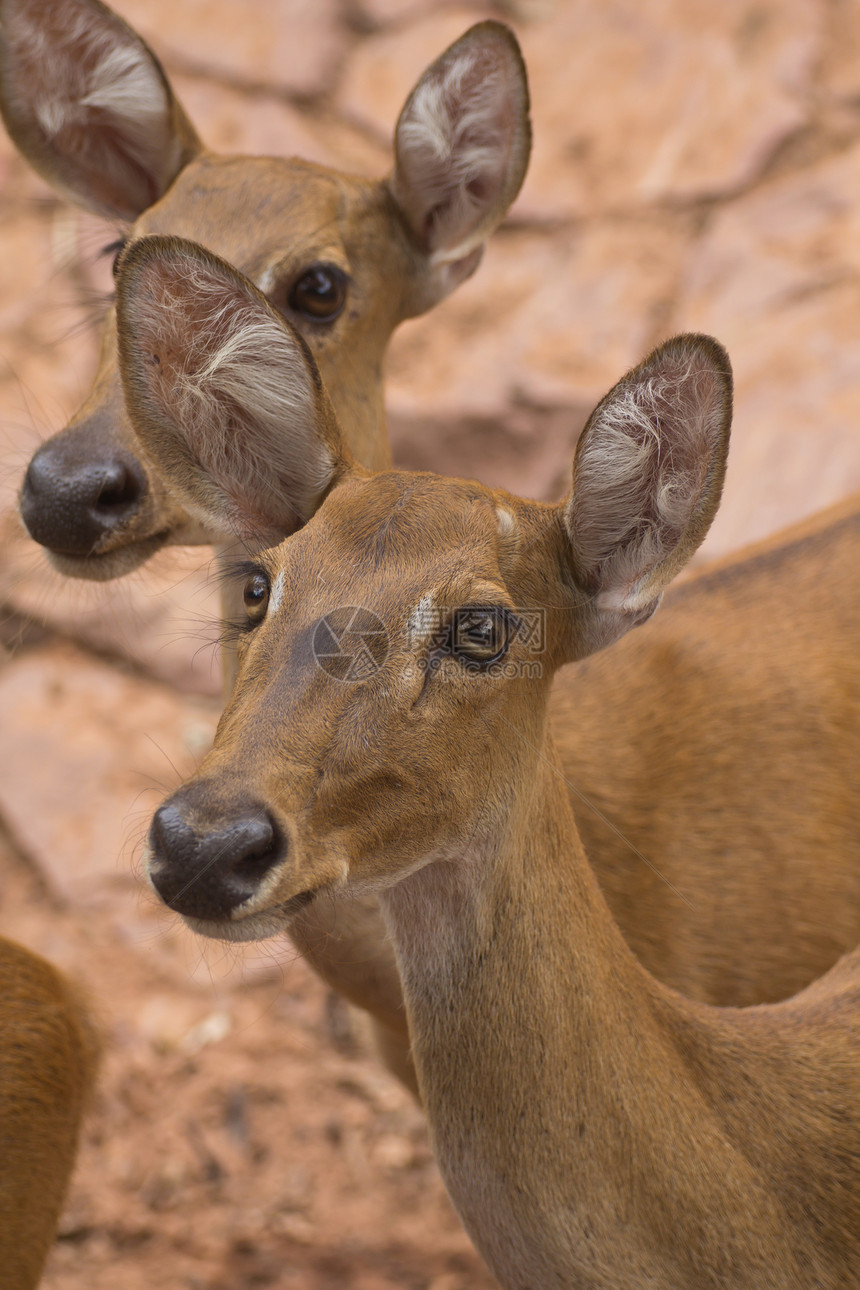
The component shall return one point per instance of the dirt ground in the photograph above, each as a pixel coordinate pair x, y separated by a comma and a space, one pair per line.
696, 167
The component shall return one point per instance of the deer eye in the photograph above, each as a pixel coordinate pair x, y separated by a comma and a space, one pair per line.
320, 293
481, 635
256, 597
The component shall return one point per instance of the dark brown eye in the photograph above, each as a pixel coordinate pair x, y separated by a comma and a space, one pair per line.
256, 597
320, 293
480, 635
115, 249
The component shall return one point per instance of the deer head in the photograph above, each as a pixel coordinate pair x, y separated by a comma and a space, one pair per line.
388, 647
343, 258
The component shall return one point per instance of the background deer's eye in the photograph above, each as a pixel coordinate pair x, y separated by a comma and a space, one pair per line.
481, 635
320, 293
256, 597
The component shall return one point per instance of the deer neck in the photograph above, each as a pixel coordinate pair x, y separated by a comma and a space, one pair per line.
573, 1138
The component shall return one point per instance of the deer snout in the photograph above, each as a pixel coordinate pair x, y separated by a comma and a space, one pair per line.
77, 496
205, 863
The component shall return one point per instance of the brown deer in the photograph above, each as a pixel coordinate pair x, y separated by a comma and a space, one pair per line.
345, 259
388, 733
721, 737
48, 1051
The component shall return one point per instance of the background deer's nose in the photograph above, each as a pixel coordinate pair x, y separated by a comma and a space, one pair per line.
206, 868
70, 503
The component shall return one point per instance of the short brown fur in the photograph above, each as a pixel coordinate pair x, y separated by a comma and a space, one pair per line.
720, 740
48, 1051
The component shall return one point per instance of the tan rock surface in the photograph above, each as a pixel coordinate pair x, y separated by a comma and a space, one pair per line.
87, 753
777, 277
164, 618
534, 320
292, 44
840, 69
383, 69
681, 99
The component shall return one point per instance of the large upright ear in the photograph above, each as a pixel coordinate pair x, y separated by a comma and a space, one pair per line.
461, 150
647, 477
224, 396
87, 103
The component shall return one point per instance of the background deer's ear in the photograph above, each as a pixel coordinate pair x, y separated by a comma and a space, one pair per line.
87, 103
647, 477
461, 148
223, 395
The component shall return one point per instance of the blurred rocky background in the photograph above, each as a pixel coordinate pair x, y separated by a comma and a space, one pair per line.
695, 166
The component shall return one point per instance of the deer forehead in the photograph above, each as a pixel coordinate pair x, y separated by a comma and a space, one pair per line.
268, 214
397, 516
414, 541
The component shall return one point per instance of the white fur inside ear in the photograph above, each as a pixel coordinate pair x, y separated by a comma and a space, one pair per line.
234, 386
96, 94
456, 141
88, 68
641, 475
124, 83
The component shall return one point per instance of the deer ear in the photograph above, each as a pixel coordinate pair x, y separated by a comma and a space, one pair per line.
223, 395
647, 477
87, 103
462, 146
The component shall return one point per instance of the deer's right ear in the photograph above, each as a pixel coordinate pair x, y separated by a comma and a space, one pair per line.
223, 395
647, 477
87, 103
462, 147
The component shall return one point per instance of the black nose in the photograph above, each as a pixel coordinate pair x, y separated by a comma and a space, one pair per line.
205, 863
71, 502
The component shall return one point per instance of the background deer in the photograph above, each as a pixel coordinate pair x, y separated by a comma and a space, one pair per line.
47, 1064
347, 259
593, 1127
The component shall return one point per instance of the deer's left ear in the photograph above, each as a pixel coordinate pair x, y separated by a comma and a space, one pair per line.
462, 146
647, 477
88, 104
223, 395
